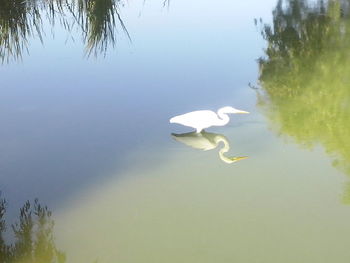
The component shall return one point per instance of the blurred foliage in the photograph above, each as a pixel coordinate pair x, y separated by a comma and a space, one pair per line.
305, 76
21, 20
33, 233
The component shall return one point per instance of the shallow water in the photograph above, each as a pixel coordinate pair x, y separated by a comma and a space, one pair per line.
89, 135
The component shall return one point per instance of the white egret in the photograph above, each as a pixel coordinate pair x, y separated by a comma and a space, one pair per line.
203, 119
207, 141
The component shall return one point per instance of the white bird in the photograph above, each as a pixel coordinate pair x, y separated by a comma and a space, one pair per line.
203, 119
207, 141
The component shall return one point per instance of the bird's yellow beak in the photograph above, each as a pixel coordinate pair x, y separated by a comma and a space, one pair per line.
236, 159
243, 112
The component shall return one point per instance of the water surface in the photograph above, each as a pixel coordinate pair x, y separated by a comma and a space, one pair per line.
85, 128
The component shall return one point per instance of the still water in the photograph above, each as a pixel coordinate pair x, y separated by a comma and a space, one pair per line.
87, 89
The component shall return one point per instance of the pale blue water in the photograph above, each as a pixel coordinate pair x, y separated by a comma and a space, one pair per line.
68, 120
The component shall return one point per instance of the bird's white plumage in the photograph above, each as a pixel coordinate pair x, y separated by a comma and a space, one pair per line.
203, 119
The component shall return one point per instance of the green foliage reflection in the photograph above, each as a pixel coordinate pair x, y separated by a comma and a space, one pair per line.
34, 242
21, 20
305, 75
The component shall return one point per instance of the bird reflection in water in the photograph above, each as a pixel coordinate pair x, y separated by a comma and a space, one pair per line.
207, 141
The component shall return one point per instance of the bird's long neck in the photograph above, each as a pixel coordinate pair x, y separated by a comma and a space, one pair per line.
223, 118
225, 149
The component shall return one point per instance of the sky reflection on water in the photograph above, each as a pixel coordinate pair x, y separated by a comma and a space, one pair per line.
68, 120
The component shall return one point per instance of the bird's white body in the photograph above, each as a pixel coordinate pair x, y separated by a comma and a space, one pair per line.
203, 119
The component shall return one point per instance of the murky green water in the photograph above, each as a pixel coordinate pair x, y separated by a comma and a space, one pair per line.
87, 89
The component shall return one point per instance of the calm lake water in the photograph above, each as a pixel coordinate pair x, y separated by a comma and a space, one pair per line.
87, 89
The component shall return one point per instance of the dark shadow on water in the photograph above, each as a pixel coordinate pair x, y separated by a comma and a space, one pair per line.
304, 76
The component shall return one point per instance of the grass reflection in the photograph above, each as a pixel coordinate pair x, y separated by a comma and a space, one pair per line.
20, 20
305, 76
98, 19
33, 233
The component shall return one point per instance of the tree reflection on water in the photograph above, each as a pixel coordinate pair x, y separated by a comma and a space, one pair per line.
33, 233
305, 76
21, 20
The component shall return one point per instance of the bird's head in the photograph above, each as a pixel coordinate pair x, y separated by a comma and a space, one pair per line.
229, 109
